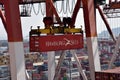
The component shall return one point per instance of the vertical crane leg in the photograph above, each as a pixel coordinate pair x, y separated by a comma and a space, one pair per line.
15, 40
51, 65
91, 37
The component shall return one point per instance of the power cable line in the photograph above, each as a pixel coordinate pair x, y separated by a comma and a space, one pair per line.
56, 5
34, 10
64, 6
72, 5
43, 12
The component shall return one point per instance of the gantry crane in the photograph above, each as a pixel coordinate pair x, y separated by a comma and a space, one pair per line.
12, 24
111, 10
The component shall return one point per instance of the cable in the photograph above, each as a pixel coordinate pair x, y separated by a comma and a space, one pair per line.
64, 11
57, 7
36, 13
42, 12
72, 4
30, 8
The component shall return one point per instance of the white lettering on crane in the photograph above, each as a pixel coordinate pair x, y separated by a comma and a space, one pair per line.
64, 42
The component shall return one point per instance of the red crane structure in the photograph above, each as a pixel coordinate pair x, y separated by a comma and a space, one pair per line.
12, 24
112, 9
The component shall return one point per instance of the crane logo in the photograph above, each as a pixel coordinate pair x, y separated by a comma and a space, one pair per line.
68, 42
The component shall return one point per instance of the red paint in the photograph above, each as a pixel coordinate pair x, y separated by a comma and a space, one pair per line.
13, 22
2, 1
55, 42
89, 18
75, 12
50, 10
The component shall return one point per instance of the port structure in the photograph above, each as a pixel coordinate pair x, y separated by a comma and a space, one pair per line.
12, 24
112, 9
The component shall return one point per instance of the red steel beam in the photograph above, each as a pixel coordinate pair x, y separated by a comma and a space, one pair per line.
106, 23
91, 36
74, 15
13, 21
1, 1
115, 5
54, 10
15, 39
89, 19
49, 12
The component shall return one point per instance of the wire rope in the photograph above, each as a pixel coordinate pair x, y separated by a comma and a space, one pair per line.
28, 8
56, 6
64, 6
30, 5
72, 5
42, 12
36, 12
